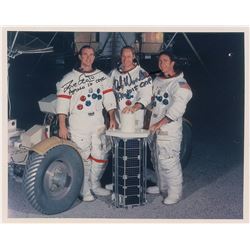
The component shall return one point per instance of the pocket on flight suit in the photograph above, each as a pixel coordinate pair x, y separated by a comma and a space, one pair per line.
168, 149
163, 149
83, 142
99, 146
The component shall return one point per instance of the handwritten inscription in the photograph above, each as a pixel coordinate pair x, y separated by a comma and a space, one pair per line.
132, 85
128, 81
119, 96
73, 86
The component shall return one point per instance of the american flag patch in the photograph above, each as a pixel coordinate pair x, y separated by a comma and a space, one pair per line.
184, 85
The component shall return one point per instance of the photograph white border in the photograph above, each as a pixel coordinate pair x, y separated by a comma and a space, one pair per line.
222, 29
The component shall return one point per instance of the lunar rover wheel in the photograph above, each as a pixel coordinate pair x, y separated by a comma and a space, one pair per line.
52, 181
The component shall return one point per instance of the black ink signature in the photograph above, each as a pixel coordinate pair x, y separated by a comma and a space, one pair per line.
83, 81
128, 81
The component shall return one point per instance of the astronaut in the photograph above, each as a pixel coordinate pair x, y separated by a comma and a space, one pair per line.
81, 96
132, 86
171, 93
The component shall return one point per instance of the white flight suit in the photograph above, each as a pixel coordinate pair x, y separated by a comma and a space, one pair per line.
132, 87
171, 96
82, 96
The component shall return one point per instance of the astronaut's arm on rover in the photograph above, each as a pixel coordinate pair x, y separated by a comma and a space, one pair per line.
63, 130
62, 109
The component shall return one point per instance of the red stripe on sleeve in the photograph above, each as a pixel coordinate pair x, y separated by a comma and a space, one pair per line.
64, 96
107, 91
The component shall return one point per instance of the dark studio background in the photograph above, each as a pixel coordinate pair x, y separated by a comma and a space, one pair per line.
217, 106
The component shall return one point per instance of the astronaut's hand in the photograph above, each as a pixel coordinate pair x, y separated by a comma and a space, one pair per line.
132, 109
113, 124
127, 110
156, 127
136, 107
63, 133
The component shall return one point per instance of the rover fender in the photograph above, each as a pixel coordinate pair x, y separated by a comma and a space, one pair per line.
42, 147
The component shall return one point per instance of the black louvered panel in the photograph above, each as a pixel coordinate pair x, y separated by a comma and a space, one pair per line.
129, 153
129, 161
131, 143
133, 190
128, 181
133, 162
132, 200
133, 171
